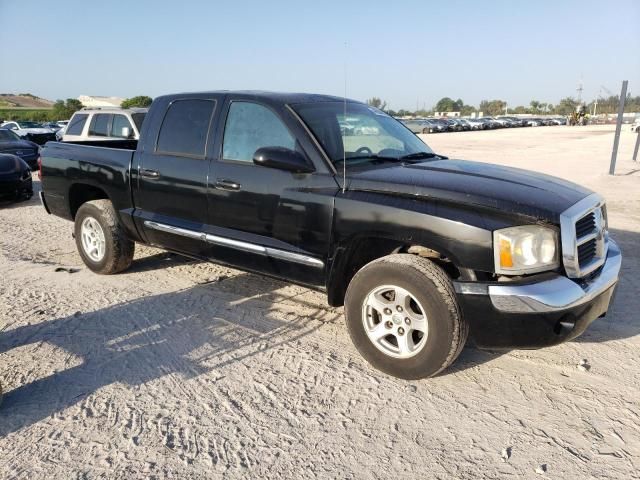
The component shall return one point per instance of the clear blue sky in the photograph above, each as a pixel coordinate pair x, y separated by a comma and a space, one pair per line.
402, 51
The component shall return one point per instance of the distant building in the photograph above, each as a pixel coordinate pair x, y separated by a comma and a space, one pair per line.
92, 101
447, 114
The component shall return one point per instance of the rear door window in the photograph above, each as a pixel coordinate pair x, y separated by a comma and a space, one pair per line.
119, 122
99, 125
185, 128
76, 124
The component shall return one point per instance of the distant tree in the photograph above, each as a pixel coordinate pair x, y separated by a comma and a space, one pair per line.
377, 103
520, 110
64, 110
139, 101
566, 106
535, 106
403, 113
492, 107
445, 104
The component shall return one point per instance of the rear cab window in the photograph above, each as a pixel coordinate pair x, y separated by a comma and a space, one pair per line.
118, 123
185, 128
99, 126
76, 124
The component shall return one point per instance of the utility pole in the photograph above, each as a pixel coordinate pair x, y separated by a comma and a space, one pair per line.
616, 138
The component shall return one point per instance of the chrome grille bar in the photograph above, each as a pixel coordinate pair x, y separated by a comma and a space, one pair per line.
577, 220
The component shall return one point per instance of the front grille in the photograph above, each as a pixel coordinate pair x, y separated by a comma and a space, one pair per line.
586, 225
583, 231
586, 252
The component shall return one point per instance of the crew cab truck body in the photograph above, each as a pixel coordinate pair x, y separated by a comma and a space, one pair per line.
419, 248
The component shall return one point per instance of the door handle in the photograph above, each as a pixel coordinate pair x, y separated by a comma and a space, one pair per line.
145, 172
222, 184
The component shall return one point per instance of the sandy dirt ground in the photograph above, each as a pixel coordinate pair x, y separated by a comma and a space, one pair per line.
182, 369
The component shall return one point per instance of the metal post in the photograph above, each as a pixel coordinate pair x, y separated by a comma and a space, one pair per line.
616, 138
635, 150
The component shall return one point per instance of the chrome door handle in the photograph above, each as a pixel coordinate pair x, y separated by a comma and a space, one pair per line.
145, 172
227, 185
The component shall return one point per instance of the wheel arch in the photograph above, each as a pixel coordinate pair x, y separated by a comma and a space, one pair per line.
81, 193
351, 256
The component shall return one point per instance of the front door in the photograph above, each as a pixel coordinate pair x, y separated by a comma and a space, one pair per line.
280, 221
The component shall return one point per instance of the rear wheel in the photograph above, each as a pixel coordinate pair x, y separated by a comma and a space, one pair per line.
403, 317
100, 239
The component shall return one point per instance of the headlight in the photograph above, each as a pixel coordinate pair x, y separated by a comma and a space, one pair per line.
525, 249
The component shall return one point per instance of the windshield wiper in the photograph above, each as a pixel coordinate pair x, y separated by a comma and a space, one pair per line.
419, 155
373, 158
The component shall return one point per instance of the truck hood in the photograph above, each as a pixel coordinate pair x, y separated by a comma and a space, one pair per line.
510, 190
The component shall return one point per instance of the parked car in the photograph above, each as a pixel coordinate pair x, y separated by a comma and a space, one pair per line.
422, 126
438, 125
15, 177
462, 124
475, 124
14, 145
534, 122
490, 123
420, 249
504, 122
32, 131
105, 124
52, 125
635, 126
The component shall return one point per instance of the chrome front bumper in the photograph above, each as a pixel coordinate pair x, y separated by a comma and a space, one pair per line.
553, 294
559, 293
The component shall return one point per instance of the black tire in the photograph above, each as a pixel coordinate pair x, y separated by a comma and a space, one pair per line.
430, 285
426, 130
119, 249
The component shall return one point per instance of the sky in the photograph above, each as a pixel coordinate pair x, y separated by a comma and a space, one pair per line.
409, 53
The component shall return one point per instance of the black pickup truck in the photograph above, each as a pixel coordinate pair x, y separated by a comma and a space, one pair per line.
419, 248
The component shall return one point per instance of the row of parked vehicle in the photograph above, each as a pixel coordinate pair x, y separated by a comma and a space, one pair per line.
455, 124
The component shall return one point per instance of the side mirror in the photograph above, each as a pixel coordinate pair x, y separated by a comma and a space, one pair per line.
282, 159
126, 132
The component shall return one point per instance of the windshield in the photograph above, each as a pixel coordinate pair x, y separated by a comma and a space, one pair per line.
8, 135
372, 134
29, 125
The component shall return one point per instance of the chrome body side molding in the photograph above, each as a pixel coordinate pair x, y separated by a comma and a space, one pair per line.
237, 244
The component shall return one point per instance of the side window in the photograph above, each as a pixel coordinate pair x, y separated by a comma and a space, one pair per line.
185, 127
99, 125
76, 124
119, 122
251, 126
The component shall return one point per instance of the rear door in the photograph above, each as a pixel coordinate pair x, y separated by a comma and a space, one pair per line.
172, 171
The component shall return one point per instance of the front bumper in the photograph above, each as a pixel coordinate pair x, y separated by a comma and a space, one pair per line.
544, 311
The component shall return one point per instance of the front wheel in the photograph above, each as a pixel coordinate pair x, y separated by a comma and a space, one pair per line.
101, 240
403, 317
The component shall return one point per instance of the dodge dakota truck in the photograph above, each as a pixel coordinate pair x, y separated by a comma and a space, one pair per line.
420, 249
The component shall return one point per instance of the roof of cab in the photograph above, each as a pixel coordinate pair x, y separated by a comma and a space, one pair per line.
279, 97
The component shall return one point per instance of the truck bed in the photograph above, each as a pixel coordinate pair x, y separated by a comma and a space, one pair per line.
103, 165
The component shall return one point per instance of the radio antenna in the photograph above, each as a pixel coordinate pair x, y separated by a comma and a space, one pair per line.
344, 150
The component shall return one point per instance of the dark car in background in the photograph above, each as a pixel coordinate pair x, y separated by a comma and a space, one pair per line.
14, 145
15, 177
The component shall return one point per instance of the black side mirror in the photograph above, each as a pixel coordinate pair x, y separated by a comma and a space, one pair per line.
282, 159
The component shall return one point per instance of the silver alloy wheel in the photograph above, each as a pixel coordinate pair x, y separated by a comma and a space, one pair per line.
394, 321
92, 236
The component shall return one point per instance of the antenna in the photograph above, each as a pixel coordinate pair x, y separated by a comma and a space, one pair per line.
344, 150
